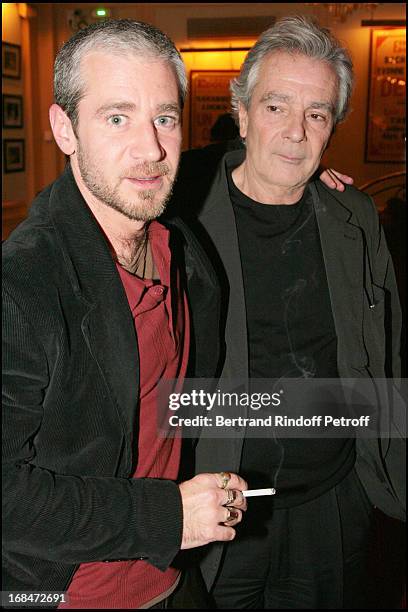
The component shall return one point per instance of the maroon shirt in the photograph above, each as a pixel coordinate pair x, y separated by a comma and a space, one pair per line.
163, 344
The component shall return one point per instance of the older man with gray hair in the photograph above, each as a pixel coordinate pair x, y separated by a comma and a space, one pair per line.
304, 274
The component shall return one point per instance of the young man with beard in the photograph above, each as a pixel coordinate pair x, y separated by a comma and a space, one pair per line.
96, 312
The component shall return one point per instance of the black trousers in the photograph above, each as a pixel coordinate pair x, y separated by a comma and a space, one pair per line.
190, 594
309, 556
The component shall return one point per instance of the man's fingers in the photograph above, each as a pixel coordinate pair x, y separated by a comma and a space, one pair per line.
335, 180
212, 505
337, 184
231, 497
234, 498
232, 517
236, 482
224, 534
329, 179
222, 479
344, 178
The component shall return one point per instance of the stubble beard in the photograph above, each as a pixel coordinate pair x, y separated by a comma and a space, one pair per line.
146, 206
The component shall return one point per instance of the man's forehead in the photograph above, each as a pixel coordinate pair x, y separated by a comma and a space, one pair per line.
280, 63
97, 54
114, 61
280, 68
104, 73
289, 57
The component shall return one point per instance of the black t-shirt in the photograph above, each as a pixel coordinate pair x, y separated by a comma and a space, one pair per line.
291, 334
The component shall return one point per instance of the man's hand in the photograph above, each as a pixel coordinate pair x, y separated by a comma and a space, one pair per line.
210, 511
335, 180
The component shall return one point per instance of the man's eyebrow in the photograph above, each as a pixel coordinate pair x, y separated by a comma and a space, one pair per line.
325, 105
171, 107
279, 97
117, 106
129, 107
274, 95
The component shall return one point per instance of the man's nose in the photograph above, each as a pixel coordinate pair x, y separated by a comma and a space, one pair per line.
146, 144
294, 128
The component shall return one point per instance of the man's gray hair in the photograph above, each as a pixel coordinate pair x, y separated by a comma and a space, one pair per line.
122, 36
296, 35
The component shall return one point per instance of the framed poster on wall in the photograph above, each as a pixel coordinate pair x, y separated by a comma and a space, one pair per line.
12, 111
13, 154
385, 134
209, 98
11, 60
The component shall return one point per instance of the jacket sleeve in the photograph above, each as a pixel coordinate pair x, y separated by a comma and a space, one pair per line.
383, 277
68, 518
384, 288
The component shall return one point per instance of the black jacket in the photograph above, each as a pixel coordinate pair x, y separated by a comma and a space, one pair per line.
365, 308
70, 397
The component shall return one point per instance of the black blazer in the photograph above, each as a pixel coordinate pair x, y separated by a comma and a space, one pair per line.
70, 397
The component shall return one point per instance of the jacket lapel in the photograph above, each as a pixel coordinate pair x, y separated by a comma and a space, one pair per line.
107, 324
219, 221
344, 255
343, 250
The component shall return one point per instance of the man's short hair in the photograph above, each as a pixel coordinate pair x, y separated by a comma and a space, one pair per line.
296, 35
121, 37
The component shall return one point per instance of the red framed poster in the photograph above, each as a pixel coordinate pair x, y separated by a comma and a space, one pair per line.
385, 135
209, 98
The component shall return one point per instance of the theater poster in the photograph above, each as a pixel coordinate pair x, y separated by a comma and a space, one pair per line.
210, 97
385, 140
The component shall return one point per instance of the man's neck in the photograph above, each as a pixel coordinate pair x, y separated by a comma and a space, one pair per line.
254, 188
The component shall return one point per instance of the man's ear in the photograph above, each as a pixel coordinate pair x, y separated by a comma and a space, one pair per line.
62, 129
243, 120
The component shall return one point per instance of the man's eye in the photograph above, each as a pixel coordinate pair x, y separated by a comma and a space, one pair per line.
165, 121
318, 117
117, 120
272, 108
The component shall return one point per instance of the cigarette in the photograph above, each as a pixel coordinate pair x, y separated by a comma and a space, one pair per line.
258, 492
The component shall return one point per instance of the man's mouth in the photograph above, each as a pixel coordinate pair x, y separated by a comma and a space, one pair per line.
290, 159
147, 175
150, 181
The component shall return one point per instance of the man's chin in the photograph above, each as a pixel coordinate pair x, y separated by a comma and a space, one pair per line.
147, 212
292, 180
144, 208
